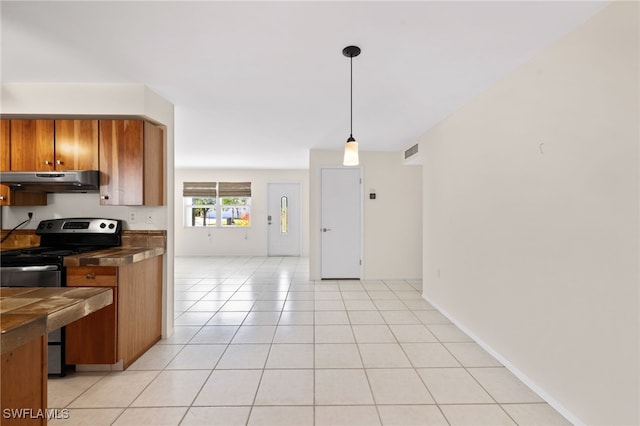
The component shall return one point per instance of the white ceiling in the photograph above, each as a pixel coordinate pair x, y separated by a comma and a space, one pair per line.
258, 84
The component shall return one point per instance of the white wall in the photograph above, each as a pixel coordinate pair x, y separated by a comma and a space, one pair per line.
118, 100
392, 223
251, 241
531, 219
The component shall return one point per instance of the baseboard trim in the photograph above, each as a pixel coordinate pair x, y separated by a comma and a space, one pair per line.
512, 368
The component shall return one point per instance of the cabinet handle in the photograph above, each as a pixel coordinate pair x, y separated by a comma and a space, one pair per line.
104, 197
91, 276
47, 162
58, 162
2, 198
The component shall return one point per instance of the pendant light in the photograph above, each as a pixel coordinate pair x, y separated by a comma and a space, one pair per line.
351, 147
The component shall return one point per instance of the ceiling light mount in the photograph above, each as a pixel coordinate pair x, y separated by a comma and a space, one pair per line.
351, 147
351, 51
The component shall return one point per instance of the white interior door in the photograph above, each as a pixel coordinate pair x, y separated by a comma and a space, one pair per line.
341, 223
284, 219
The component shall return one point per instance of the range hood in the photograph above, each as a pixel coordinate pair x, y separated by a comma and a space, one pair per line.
63, 181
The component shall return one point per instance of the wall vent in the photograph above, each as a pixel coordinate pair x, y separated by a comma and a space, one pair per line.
411, 151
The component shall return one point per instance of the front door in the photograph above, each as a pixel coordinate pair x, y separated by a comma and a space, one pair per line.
283, 219
341, 223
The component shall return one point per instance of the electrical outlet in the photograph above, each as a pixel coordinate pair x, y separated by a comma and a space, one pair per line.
32, 217
132, 216
149, 218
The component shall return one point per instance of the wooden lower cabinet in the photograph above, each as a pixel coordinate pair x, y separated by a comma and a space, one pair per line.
24, 384
93, 339
126, 329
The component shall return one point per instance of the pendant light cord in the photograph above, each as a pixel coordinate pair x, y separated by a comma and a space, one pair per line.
351, 103
350, 52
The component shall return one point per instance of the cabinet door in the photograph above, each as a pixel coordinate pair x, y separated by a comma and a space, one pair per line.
4, 159
76, 145
121, 162
4, 195
139, 308
93, 339
32, 145
5, 149
154, 165
9, 197
23, 382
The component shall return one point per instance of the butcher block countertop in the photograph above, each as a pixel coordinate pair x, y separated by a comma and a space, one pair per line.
29, 312
117, 256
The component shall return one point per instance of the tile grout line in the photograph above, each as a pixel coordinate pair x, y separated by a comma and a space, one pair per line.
261, 280
415, 370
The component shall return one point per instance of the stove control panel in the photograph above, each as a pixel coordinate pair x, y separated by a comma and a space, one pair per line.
79, 225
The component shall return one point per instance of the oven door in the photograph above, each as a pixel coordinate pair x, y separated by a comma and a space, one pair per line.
40, 276
31, 276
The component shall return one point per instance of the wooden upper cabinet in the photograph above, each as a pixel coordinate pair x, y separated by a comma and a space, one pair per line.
5, 151
131, 163
5, 147
12, 197
32, 145
154, 165
9, 197
48, 145
76, 145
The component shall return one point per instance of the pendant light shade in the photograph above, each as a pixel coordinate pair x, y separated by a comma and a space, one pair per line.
351, 153
351, 147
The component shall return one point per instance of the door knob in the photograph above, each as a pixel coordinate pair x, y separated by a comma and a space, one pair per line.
326, 229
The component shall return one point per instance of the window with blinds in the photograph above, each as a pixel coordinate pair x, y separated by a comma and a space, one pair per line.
217, 204
200, 189
234, 189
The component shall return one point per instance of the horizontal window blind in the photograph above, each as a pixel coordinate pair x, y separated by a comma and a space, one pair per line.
234, 189
199, 189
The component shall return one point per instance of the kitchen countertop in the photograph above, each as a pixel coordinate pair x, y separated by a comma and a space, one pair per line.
116, 256
29, 312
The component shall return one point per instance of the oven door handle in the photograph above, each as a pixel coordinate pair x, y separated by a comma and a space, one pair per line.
38, 268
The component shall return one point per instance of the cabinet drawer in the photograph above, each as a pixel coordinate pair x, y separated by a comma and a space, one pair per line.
92, 276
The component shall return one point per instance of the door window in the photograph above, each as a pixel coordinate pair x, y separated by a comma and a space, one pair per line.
284, 214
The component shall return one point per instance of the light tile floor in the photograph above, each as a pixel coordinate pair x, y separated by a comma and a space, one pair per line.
257, 343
